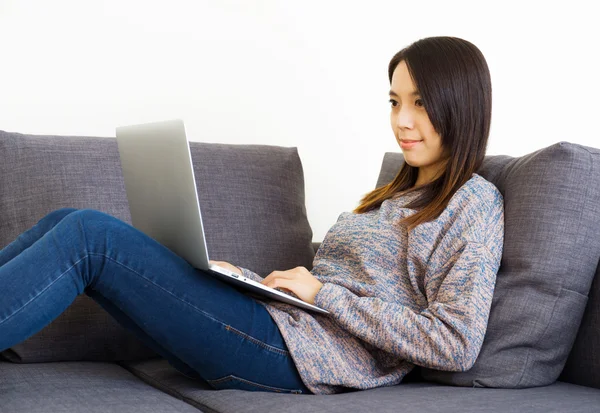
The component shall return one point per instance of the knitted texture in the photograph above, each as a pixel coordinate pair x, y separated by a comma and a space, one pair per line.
398, 299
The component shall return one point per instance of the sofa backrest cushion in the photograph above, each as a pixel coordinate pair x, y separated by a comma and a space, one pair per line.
252, 204
583, 364
39, 174
551, 252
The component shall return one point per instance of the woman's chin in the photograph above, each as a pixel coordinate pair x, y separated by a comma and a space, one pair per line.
411, 160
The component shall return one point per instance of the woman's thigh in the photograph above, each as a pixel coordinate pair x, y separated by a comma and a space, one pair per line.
226, 336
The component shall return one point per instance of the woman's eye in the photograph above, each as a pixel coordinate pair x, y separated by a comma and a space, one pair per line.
419, 103
393, 102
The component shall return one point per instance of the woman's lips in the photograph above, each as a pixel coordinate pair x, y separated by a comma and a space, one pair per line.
409, 144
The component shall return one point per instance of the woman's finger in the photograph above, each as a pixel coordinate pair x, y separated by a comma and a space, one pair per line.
284, 283
278, 274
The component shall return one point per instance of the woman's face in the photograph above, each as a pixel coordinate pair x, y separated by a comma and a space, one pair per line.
410, 122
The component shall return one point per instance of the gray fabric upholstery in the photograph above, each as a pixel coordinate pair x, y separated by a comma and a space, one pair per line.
552, 230
316, 245
39, 174
413, 397
583, 364
253, 205
551, 252
80, 387
253, 212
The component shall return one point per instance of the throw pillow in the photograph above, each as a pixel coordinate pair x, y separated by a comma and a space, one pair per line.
551, 251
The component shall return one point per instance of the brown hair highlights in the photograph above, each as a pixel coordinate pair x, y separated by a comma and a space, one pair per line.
454, 80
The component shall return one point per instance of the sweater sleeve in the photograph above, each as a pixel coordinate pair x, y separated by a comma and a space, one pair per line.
447, 335
251, 275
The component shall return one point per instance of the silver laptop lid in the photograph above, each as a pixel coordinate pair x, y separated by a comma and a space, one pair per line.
161, 187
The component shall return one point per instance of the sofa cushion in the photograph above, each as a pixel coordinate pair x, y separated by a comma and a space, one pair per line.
39, 174
253, 205
253, 213
583, 364
80, 387
411, 397
551, 252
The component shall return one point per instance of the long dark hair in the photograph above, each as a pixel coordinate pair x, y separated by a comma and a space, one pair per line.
453, 79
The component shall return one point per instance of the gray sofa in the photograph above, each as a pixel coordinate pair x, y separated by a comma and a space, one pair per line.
542, 347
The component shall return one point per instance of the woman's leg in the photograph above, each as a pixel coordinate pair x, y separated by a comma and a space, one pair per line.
223, 334
29, 237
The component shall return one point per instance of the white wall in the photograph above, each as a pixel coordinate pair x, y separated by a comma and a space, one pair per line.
311, 74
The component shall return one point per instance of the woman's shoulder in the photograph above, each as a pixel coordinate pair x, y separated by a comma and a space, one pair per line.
479, 190
476, 200
477, 207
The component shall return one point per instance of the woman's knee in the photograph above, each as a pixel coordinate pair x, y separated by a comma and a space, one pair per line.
73, 215
58, 215
62, 212
96, 224
89, 214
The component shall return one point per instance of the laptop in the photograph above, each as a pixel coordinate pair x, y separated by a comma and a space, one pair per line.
163, 200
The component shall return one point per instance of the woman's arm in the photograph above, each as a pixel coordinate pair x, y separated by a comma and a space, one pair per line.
298, 281
251, 275
238, 270
447, 335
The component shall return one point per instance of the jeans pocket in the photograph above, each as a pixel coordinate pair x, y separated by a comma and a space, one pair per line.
238, 383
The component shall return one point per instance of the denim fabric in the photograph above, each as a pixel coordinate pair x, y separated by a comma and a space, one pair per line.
204, 327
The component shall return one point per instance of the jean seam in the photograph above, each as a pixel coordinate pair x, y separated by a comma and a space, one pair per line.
43, 291
227, 327
256, 341
85, 243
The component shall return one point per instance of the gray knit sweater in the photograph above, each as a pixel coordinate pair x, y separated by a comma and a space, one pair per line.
398, 299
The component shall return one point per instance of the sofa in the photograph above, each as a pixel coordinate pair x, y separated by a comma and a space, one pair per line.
541, 351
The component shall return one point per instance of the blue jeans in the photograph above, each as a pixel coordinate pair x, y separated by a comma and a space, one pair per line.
204, 327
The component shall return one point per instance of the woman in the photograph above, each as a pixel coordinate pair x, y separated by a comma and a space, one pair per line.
407, 277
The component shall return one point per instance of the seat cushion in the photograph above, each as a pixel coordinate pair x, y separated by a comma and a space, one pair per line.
80, 387
411, 397
551, 252
253, 212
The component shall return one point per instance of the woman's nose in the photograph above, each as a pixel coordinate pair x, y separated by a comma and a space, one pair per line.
405, 119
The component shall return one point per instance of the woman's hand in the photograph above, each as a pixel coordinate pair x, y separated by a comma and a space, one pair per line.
297, 280
227, 266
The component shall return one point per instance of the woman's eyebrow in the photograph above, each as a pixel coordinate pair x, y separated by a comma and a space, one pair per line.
413, 93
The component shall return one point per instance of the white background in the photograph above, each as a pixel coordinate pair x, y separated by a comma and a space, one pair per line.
309, 74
